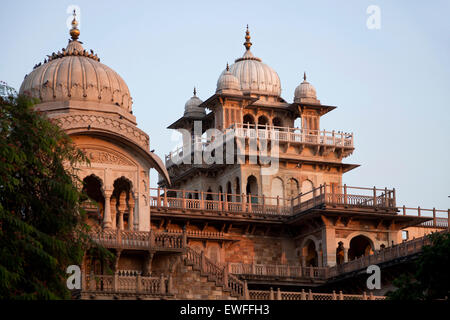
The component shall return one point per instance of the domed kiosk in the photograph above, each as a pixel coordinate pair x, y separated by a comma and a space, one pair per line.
92, 103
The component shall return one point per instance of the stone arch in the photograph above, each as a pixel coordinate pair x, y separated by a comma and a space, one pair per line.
359, 246
277, 190
94, 204
307, 186
229, 191
209, 195
292, 188
252, 189
262, 121
309, 253
248, 118
368, 235
277, 122
122, 201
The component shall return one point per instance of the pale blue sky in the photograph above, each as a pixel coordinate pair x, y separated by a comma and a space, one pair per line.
391, 86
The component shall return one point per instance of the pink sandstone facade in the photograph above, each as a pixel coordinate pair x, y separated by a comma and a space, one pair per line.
213, 229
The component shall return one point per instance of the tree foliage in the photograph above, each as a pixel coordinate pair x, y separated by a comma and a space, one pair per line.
430, 279
42, 229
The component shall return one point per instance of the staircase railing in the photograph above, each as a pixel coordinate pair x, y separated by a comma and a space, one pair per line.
216, 273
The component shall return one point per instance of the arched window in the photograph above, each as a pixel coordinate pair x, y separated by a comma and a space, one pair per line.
310, 254
277, 190
229, 191
262, 121
95, 204
122, 193
252, 189
359, 246
209, 194
292, 188
277, 122
307, 186
248, 119
238, 190
221, 193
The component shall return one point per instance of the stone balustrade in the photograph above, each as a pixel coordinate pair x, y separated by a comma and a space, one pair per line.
263, 206
286, 295
403, 249
266, 132
145, 240
278, 271
117, 284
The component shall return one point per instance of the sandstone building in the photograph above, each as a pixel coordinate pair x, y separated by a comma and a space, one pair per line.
249, 202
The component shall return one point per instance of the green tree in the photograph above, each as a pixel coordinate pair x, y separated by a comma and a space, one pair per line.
430, 277
42, 228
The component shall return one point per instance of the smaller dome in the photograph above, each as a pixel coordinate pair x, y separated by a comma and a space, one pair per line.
192, 109
305, 93
227, 82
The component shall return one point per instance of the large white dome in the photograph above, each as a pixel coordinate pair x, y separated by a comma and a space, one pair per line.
76, 74
255, 77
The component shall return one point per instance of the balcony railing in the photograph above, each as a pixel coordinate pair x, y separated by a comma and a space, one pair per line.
303, 295
113, 284
294, 135
403, 249
440, 217
278, 271
336, 196
145, 240
251, 131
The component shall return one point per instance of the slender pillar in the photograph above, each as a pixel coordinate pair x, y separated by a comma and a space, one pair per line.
122, 208
113, 209
345, 255
131, 213
107, 215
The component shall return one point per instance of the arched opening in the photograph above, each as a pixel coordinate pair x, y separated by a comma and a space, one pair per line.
252, 189
248, 119
122, 201
221, 193
229, 191
292, 188
340, 253
262, 122
307, 186
277, 190
95, 204
359, 246
277, 122
310, 254
238, 190
209, 194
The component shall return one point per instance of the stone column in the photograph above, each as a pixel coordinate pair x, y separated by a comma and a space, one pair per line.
345, 255
107, 215
122, 208
136, 211
113, 212
131, 212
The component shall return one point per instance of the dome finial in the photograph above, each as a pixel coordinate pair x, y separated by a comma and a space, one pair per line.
304, 75
195, 92
228, 67
247, 42
74, 32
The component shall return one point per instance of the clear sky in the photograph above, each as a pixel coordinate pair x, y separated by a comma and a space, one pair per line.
391, 85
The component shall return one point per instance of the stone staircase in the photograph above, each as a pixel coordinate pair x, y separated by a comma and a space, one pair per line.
229, 284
